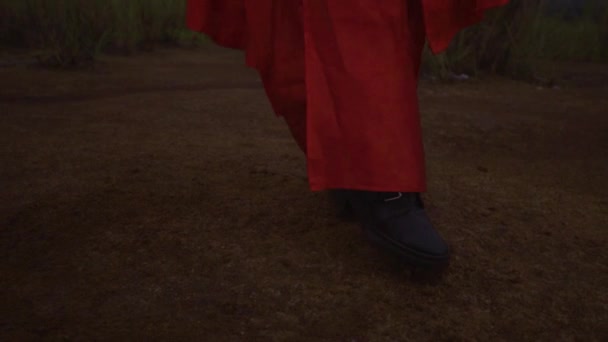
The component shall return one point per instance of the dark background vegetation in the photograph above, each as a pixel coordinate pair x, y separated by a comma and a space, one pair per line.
513, 39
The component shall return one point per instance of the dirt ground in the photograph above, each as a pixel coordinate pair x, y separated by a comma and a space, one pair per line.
157, 197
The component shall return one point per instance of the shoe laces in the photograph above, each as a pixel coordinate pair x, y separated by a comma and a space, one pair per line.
399, 195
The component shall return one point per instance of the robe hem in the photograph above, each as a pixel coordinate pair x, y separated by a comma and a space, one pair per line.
378, 188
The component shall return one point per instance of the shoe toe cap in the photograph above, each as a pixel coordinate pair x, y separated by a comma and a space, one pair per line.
416, 230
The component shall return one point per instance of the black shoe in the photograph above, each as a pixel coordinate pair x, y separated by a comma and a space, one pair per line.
398, 223
340, 201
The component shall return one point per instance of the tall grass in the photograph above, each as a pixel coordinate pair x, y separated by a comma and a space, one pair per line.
584, 38
69, 32
514, 39
509, 41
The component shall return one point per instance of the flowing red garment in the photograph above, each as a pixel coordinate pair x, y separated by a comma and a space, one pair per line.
344, 75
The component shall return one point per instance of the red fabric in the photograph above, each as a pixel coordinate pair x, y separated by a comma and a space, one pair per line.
445, 18
223, 20
344, 76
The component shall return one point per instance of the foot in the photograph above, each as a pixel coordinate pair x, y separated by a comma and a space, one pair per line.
398, 223
340, 201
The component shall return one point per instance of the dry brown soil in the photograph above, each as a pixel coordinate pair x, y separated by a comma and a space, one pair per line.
157, 197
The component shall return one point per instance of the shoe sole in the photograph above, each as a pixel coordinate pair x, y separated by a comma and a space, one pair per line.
405, 253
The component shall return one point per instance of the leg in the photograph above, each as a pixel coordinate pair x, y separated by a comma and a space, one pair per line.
345, 81
345, 78
364, 135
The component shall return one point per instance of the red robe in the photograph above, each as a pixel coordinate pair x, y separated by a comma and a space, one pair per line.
344, 75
